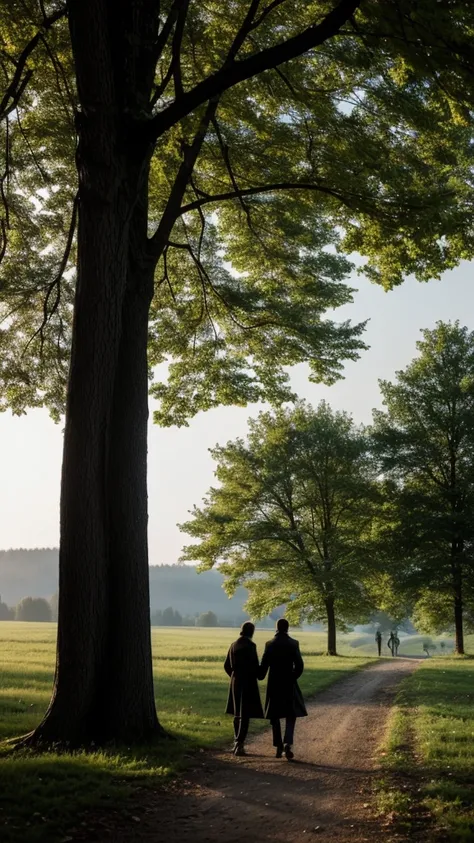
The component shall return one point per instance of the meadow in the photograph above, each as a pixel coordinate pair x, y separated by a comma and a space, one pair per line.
430, 752
41, 797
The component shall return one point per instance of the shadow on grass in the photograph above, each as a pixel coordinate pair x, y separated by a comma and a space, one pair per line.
43, 796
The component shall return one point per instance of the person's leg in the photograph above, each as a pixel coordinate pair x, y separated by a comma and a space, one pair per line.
289, 731
244, 729
241, 727
276, 729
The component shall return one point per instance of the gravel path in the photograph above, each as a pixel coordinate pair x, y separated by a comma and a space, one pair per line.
325, 793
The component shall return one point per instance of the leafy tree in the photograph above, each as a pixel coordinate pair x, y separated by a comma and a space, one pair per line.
207, 619
170, 617
54, 606
180, 139
33, 609
425, 443
6, 614
156, 618
429, 647
433, 613
290, 519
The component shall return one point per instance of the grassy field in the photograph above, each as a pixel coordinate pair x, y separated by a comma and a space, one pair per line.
42, 797
431, 746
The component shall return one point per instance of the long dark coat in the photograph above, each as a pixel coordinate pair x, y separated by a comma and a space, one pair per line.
282, 658
242, 666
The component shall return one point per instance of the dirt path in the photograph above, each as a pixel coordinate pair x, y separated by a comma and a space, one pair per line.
326, 793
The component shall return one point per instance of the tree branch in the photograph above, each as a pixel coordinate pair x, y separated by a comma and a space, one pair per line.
263, 188
172, 210
231, 73
55, 284
176, 49
19, 81
167, 27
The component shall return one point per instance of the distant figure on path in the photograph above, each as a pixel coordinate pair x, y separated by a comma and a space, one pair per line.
397, 643
244, 701
393, 643
378, 638
282, 658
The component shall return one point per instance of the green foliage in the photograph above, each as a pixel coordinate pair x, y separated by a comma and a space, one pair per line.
433, 613
349, 147
291, 517
424, 441
33, 609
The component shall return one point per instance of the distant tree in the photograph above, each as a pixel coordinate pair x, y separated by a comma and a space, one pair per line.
429, 647
156, 618
33, 609
277, 613
291, 517
384, 622
171, 617
442, 644
54, 606
6, 614
425, 443
207, 619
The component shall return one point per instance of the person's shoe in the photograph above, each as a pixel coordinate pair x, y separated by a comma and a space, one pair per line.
239, 750
279, 752
288, 753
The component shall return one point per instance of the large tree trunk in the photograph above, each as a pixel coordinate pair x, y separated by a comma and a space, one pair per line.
458, 609
129, 665
329, 603
103, 686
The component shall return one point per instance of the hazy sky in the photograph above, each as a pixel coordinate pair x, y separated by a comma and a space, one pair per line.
180, 468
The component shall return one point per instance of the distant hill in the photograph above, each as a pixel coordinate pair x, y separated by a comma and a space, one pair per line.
35, 573
28, 573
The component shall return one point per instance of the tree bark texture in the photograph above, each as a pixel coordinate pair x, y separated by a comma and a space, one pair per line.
458, 607
331, 617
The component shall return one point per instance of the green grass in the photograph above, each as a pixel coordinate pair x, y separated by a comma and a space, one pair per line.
431, 746
43, 796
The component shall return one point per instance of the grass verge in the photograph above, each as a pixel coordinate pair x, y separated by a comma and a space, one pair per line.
428, 785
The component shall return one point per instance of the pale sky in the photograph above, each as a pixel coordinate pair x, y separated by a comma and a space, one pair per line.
180, 467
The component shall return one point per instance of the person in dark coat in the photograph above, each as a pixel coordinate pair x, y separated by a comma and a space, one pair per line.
282, 658
244, 700
378, 638
391, 643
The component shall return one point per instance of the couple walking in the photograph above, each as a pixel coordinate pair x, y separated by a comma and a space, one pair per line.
282, 661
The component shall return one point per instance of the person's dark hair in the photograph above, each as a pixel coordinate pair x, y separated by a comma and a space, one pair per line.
282, 625
247, 629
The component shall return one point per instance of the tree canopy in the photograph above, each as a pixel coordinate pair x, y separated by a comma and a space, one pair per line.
291, 517
341, 139
424, 440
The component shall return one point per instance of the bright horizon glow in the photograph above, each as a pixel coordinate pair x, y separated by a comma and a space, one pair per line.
180, 468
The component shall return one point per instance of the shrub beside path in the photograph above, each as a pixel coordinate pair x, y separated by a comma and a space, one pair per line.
326, 793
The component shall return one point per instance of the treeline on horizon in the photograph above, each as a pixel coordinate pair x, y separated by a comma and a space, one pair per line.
34, 572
